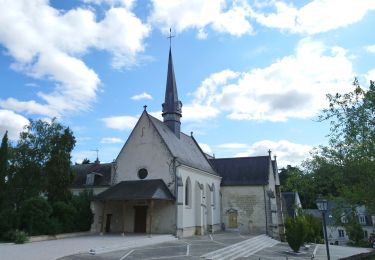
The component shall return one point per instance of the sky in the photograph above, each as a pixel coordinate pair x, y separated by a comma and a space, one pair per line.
252, 75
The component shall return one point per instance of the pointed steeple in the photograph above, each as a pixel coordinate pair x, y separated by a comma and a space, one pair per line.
172, 106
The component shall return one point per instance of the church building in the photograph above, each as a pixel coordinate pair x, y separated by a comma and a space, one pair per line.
162, 182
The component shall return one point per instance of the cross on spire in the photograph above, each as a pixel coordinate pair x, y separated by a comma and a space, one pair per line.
170, 37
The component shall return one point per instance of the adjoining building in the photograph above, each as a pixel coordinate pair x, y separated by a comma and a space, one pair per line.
162, 182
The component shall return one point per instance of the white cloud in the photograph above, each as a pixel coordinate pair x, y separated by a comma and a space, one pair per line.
143, 95
370, 48
287, 153
11, 122
48, 44
316, 16
370, 76
120, 122
292, 87
111, 140
126, 3
218, 15
205, 148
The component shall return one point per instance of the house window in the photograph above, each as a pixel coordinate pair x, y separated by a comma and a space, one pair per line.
188, 192
341, 233
362, 219
344, 219
90, 179
365, 234
142, 173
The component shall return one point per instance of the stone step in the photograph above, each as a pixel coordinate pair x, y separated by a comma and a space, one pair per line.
133, 243
244, 248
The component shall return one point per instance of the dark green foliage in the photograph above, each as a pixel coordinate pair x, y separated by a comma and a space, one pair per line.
3, 167
34, 214
65, 214
314, 232
8, 222
84, 216
20, 237
295, 232
353, 229
58, 168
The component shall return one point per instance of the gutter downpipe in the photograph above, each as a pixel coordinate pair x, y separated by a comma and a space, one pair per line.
175, 189
265, 209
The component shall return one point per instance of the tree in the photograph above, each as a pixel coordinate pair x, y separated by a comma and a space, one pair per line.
4, 157
58, 167
352, 143
295, 231
85, 161
34, 214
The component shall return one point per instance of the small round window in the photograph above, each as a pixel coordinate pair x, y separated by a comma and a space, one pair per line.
142, 173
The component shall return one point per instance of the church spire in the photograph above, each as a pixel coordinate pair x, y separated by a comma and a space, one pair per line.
172, 106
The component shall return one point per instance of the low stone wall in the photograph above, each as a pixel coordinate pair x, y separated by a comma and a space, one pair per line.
58, 236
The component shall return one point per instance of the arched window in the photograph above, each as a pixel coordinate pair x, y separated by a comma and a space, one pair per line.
188, 192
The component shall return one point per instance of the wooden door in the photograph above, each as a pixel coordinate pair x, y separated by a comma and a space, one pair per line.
108, 223
140, 218
232, 219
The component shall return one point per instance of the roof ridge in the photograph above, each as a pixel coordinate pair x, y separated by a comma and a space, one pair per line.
241, 157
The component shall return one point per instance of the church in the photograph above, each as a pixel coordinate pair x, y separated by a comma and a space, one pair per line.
162, 182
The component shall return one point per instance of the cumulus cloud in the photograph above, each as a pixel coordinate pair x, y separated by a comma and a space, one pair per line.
48, 44
120, 122
143, 95
288, 153
218, 15
205, 148
111, 140
11, 122
294, 86
232, 146
314, 17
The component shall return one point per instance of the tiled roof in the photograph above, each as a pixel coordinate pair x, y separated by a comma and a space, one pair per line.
81, 171
243, 170
184, 148
136, 190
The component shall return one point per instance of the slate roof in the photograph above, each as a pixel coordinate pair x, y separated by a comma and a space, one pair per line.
184, 148
242, 170
136, 190
289, 199
81, 171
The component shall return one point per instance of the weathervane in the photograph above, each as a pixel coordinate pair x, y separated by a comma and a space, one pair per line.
170, 37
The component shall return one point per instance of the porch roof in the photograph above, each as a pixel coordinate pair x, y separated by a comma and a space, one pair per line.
136, 190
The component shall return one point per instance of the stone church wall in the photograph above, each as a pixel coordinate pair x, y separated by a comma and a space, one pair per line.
247, 203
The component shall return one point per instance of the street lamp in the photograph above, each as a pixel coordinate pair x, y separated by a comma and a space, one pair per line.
322, 206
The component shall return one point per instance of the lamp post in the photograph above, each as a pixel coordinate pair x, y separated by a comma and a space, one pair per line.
322, 206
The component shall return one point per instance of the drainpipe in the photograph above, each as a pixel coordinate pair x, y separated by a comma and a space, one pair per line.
175, 188
265, 208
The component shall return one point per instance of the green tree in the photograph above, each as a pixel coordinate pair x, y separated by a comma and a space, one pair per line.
295, 231
34, 214
4, 157
352, 143
84, 216
58, 167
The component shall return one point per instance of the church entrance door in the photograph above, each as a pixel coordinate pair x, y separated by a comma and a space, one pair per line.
232, 219
140, 217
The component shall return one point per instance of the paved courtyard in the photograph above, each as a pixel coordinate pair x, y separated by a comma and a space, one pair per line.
117, 247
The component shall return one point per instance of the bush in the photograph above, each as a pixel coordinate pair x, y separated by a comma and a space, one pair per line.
314, 229
54, 226
84, 216
34, 214
8, 222
64, 213
20, 236
296, 230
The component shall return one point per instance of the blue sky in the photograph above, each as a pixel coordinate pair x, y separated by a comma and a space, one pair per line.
252, 75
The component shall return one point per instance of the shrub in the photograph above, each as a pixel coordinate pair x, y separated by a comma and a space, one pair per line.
8, 221
64, 213
314, 229
20, 236
84, 216
295, 232
34, 214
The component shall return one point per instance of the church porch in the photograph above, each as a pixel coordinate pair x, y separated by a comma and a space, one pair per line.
135, 207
